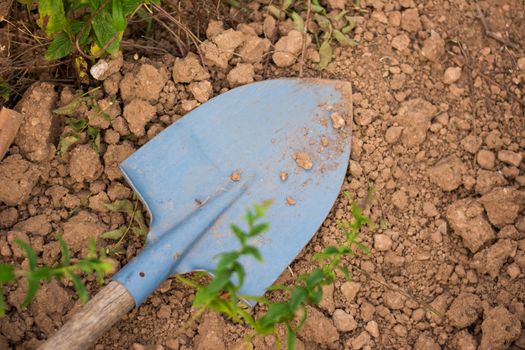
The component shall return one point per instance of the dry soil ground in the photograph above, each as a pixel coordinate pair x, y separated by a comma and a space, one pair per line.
438, 133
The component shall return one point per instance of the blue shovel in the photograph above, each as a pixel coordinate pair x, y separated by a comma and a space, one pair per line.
287, 140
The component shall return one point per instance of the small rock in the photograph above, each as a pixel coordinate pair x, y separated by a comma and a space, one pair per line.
114, 155
214, 28
12, 237
393, 134
40, 128
350, 290
269, 27
487, 180
410, 20
8, 216
471, 143
511, 232
118, 191
85, 164
80, 229
98, 201
394, 300
465, 310
425, 342
491, 260
499, 329
229, 40
433, 47
303, 160
235, 176
283, 176
429, 209
513, 270
355, 169
242, 74
415, 116
463, 340
382, 242
211, 333
254, 49
486, 159
337, 121
327, 302
106, 67
288, 48
509, 157
447, 173
501, 205
201, 90
400, 199
213, 56
318, 329
145, 83
37, 225
290, 201
344, 322
18, 177
189, 69
361, 340
373, 328
400, 42
138, 113
474, 229
400, 330
451, 75
137, 346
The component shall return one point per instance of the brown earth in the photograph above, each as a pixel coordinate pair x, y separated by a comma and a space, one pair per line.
438, 132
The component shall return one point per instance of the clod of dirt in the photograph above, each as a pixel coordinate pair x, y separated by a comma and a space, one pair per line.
8, 217
337, 4
499, 329
465, 310
400, 42
486, 159
501, 205
137, 346
343, 321
466, 219
393, 134
283, 176
433, 47
228, 41
382, 242
254, 49
318, 328
415, 116
451, 75
410, 20
425, 342
145, 82
235, 176
18, 177
201, 90
350, 290
447, 173
463, 340
10, 122
37, 225
80, 229
288, 48
50, 304
213, 56
98, 201
337, 120
211, 333
362, 340
106, 67
114, 155
487, 180
290, 201
242, 74
214, 28
491, 260
509, 157
39, 129
471, 143
138, 113
303, 160
12, 236
189, 69
394, 300
85, 164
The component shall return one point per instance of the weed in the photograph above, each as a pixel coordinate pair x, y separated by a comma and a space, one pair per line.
93, 263
327, 28
91, 27
220, 294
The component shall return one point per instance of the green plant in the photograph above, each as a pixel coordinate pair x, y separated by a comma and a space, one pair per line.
93, 263
220, 294
92, 27
327, 28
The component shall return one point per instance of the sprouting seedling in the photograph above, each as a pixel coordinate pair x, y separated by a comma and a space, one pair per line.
94, 263
220, 294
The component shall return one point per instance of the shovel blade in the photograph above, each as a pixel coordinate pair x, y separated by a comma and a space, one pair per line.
201, 174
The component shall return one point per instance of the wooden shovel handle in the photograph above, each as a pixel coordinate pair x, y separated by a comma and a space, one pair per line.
97, 316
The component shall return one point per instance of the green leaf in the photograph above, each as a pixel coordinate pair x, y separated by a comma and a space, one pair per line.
276, 12
52, 16
299, 295
226, 259
241, 236
120, 206
32, 287
77, 124
94, 137
141, 229
290, 338
114, 235
258, 229
64, 250
117, 12
60, 47
253, 251
350, 24
384, 224
70, 109
130, 6
65, 144
325, 53
342, 39
287, 4
298, 21
276, 312
2, 305
7, 273
106, 32
314, 278
5, 91
79, 286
